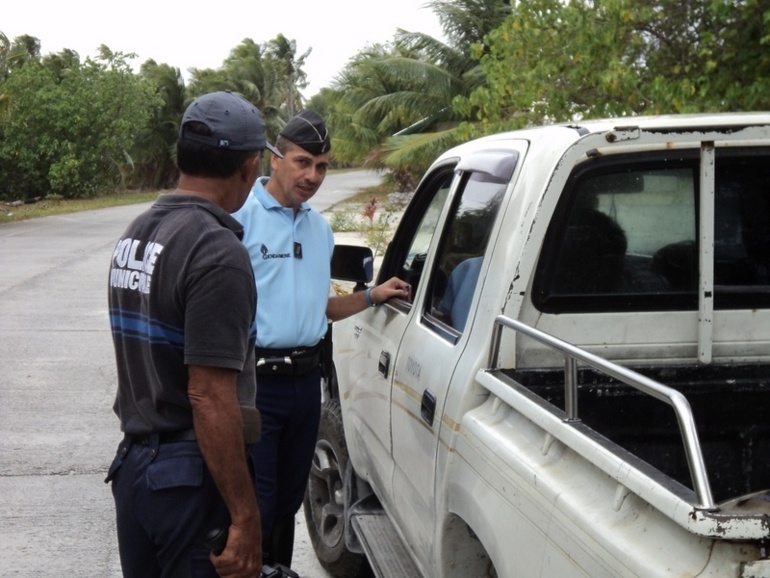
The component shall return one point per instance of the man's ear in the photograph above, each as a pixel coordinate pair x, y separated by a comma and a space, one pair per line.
274, 160
252, 168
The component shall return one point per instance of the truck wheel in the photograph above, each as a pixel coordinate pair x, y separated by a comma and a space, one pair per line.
324, 502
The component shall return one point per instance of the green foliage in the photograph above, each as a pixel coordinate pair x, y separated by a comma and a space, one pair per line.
555, 61
467, 22
343, 222
373, 219
67, 130
269, 75
561, 61
411, 154
323, 101
286, 66
379, 221
154, 149
393, 107
56, 205
377, 231
79, 129
378, 97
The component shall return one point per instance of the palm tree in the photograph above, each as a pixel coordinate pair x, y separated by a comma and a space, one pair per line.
394, 106
61, 62
154, 149
249, 72
16, 53
13, 55
5, 48
466, 22
5, 101
281, 53
389, 94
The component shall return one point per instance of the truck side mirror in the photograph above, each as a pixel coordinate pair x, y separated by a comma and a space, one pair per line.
353, 263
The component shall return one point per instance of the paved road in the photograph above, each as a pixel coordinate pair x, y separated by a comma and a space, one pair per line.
57, 384
340, 186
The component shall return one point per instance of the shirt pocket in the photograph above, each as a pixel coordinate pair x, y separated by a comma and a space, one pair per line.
175, 473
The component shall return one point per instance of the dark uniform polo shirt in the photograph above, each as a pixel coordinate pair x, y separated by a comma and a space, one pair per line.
181, 292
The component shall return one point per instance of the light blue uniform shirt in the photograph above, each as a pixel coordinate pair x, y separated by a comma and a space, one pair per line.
292, 292
459, 292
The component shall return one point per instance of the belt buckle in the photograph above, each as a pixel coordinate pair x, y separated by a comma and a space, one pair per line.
265, 360
274, 364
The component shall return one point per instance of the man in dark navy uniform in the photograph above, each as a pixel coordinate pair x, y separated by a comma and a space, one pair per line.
182, 305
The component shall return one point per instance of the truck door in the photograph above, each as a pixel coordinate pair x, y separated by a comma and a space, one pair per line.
433, 342
367, 371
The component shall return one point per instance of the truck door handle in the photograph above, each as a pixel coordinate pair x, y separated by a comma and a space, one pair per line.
384, 364
428, 407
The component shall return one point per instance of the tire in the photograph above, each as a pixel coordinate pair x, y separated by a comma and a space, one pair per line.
324, 505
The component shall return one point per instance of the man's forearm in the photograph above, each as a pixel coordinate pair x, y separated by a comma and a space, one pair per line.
219, 431
342, 306
220, 437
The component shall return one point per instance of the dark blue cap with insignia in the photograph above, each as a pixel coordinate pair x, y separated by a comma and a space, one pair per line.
307, 130
235, 123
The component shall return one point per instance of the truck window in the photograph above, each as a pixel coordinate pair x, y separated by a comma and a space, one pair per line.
464, 241
625, 237
416, 229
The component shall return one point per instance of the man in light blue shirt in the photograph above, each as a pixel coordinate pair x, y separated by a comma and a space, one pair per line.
291, 247
459, 292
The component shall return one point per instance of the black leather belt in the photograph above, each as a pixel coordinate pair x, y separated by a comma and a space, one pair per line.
252, 431
166, 437
296, 361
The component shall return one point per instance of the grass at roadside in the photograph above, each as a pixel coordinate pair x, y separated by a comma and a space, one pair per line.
367, 213
48, 207
10, 212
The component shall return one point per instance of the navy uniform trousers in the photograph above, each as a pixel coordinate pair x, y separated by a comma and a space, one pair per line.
290, 407
165, 502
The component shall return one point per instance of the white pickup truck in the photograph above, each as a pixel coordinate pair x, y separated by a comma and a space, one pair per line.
580, 383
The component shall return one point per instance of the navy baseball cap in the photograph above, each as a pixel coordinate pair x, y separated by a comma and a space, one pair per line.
308, 131
235, 123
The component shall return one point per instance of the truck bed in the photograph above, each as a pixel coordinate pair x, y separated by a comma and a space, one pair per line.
729, 404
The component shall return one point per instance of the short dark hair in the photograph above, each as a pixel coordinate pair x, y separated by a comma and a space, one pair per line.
284, 145
202, 160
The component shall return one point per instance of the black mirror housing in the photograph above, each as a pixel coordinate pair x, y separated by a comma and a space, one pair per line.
352, 263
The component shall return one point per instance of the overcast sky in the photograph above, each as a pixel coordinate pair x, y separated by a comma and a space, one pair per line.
201, 34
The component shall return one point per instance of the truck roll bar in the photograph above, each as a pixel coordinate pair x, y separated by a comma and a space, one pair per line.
668, 395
